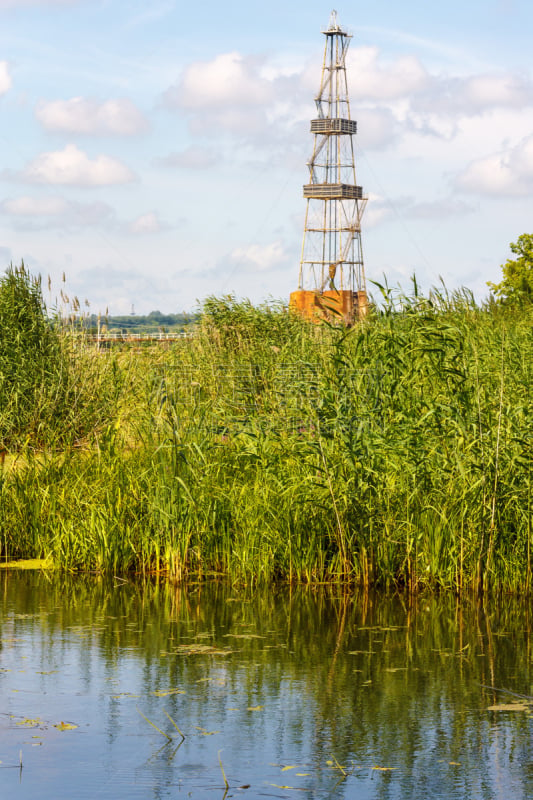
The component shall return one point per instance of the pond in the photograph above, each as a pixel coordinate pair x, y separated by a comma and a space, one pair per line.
117, 688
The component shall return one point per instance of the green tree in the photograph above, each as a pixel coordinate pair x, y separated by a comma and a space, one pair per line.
517, 283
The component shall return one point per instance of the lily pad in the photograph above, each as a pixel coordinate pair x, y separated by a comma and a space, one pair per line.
509, 707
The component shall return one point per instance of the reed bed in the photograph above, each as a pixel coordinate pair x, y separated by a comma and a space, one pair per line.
53, 392
264, 448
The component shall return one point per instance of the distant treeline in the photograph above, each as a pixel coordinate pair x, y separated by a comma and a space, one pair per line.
140, 322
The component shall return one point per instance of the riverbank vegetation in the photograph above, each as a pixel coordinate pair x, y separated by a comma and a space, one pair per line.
262, 447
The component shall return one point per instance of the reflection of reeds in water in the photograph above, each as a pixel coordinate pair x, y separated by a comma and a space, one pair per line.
347, 684
396, 452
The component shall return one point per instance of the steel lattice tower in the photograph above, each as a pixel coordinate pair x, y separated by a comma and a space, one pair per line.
332, 272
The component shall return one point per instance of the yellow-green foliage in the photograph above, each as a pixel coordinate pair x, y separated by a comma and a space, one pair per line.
517, 283
263, 447
53, 391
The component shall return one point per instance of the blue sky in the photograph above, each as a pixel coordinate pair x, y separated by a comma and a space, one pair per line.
155, 153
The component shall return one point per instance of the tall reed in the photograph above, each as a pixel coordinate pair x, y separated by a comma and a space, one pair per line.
52, 391
397, 452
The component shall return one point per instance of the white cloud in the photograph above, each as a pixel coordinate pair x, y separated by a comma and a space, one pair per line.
497, 91
509, 172
384, 81
434, 209
259, 258
191, 158
256, 103
36, 213
374, 79
25, 3
34, 206
5, 256
230, 79
83, 115
377, 210
230, 93
254, 100
377, 127
73, 167
43, 212
5, 78
470, 95
146, 223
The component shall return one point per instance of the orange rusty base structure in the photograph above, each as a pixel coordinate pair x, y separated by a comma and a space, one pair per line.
335, 306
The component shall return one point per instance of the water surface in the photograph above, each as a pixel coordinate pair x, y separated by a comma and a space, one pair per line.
280, 693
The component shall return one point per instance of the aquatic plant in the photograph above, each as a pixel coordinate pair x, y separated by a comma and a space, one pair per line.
397, 452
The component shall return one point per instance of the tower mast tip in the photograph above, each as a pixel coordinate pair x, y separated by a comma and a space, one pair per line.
333, 24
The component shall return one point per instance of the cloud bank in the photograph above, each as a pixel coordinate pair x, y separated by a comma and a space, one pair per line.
86, 116
248, 99
73, 167
5, 78
8, 4
508, 172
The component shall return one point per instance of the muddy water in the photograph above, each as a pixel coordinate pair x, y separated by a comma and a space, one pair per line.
309, 693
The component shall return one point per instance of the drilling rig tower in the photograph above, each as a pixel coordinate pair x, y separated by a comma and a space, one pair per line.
332, 277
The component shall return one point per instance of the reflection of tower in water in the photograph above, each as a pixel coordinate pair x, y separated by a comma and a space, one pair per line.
332, 277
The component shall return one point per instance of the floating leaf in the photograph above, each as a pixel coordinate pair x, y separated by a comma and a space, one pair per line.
200, 649
509, 707
254, 708
204, 732
289, 766
65, 726
170, 691
292, 788
384, 769
30, 723
362, 652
